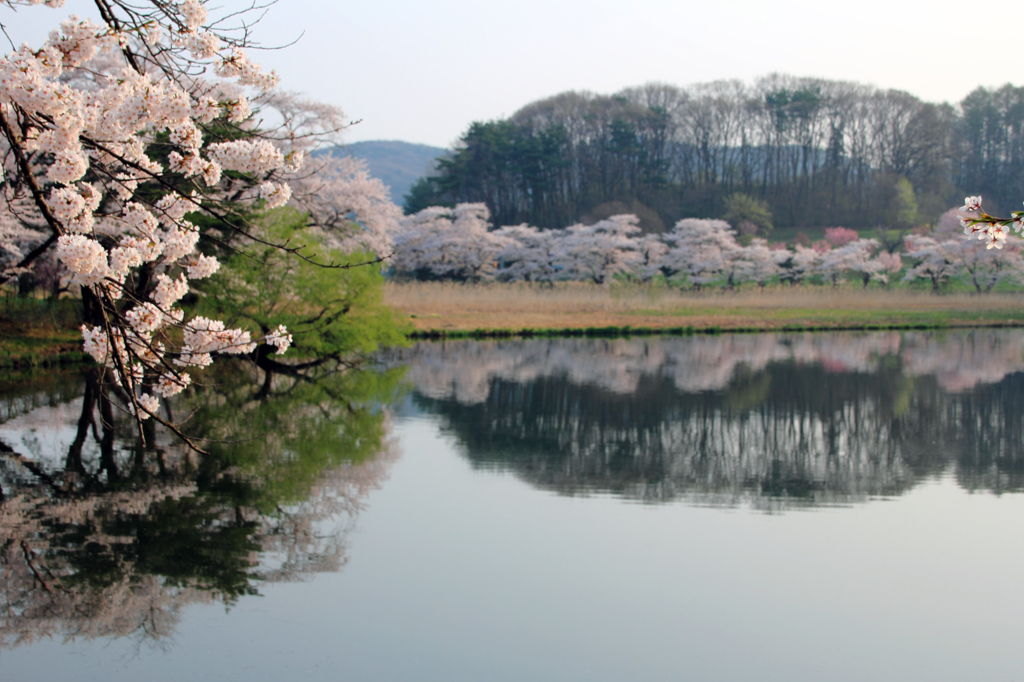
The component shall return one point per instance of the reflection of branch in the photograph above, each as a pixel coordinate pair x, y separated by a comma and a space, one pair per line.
28, 561
264, 362
276, 367
222, 506
34, 468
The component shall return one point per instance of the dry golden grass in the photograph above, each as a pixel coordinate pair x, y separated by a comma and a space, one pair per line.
457, 307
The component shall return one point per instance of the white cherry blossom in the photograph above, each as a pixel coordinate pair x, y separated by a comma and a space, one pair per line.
100, 98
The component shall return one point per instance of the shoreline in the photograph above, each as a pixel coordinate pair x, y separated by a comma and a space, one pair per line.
689, 330
437, 311
58, 352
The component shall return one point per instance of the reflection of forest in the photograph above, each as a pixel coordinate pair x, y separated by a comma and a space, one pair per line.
101, 536
771, 419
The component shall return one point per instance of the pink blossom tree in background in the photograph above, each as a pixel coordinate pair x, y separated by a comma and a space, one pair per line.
840, 236
651, 252
702, 252
529, 254
936, 260
758, 263
700, 249
445, 243
888, 264
853, 257
803, 263
849, 254
600, 251
994, 257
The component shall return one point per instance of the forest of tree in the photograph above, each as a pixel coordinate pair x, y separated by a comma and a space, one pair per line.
814, 152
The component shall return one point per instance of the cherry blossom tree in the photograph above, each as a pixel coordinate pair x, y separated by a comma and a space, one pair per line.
888, 264
991, 230
600, 251
851, 254
937, 260
127, 140
758, 262
352, 209
121, 145
840, 236
996, 256
852, 257
1000, 260
529, 254
700, 249
987, 267
651, 251
445, 243
802, 262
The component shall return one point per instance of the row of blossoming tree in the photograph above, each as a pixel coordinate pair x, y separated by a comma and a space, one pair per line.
132, 160
461, 244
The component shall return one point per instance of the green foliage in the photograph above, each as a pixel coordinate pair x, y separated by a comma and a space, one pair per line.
903, 208
268, 448
507, 160
331, 312
790, 107
742, 208
218, 555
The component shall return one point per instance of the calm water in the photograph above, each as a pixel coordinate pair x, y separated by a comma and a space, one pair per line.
770, 507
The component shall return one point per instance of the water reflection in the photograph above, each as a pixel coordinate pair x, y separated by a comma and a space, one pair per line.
769, 420
101, 536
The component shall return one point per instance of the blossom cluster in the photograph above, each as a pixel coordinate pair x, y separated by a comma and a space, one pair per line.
354, 210
987, 228
87, 107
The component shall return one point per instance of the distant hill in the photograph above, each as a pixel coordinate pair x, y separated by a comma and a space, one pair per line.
397, 164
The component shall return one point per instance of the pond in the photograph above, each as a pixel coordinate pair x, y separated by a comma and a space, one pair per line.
776, 507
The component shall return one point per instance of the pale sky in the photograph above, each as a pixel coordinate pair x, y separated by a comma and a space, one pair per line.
421, 72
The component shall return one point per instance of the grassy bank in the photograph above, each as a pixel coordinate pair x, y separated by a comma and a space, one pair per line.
39, 333
36, 333
444, 309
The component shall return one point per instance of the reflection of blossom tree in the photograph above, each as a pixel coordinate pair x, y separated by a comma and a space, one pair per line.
819, 418
113, 539
463, 370
800, 441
